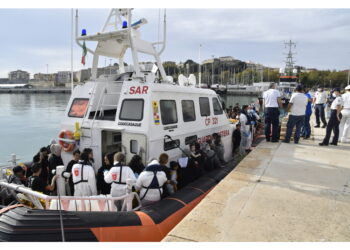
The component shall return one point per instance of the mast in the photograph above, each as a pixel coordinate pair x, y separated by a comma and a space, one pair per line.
124, 35
199, 66
71, 50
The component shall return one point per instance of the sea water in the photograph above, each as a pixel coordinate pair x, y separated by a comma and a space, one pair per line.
28, 122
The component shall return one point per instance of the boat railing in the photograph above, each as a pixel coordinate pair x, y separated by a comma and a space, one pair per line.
73, 203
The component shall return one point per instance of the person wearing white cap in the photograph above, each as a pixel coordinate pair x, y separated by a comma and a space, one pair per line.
344, 127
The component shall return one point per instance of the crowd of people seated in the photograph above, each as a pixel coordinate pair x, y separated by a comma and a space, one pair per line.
158, 179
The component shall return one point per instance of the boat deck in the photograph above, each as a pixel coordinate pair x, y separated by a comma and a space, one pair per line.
279, 192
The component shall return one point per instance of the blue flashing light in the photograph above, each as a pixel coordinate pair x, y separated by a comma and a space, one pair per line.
125, 24
83, 32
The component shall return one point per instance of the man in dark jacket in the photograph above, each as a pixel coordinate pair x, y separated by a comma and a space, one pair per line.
55, 159
236, 139
102, 186
75, 160
42, 157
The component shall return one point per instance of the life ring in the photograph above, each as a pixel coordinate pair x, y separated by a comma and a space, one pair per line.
66, 140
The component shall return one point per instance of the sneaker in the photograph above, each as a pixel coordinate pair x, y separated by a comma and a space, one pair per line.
296, 142
285, 141
334, 144
274, 141
322, 144
317, 126
268, 139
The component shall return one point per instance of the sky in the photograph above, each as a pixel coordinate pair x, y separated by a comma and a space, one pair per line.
34, 38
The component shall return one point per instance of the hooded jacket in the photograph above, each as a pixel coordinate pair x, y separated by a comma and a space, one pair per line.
84, 179
118, 175
54, 159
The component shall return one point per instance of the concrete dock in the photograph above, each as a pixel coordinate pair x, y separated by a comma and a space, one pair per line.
279, 192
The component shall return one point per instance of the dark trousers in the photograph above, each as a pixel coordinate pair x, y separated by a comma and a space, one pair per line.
333, 124
271, 118
297, 122
306, 129
319, 111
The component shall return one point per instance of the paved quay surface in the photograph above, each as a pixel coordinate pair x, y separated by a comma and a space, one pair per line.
279, 192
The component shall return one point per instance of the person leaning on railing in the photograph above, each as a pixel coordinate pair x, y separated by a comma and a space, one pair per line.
36, 183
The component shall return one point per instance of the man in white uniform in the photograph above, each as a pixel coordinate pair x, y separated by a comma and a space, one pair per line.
344, 127
334, 120
272, 102
118, 175
319, 101
297, 107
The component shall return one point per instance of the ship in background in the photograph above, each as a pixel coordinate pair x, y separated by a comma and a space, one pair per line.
288, 76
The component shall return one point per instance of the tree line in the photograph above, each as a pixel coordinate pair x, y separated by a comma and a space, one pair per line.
239, 72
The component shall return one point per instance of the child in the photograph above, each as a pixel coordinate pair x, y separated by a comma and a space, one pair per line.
172, 186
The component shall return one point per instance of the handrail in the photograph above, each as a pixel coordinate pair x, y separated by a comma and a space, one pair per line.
23, 190
34, 197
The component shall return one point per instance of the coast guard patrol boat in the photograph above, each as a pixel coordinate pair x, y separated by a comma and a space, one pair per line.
141, 111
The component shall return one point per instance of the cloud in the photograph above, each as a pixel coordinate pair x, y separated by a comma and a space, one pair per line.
269, 25
39, 37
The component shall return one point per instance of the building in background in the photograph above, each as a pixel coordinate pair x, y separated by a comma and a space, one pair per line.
19, 76
62, 78
40, 77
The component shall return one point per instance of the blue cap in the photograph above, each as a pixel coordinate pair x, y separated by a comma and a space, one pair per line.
83, 32
125, 24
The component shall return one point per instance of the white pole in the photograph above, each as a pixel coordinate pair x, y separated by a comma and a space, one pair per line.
71, 50
199, 67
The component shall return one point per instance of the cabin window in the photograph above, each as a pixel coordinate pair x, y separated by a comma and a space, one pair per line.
134, 146
217, 107
191, 139
168, 111
188, 110
79, 107
171, 144
132, 110
204, 106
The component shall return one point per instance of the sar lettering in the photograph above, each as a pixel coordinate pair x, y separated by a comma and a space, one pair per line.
139, 90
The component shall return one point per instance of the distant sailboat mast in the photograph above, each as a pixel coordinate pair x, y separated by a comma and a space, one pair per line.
71, 51
199, 66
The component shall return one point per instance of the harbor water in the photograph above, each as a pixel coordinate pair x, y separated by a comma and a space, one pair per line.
29, 121
231, 100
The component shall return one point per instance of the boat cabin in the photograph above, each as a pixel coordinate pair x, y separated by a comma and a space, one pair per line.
140, 110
